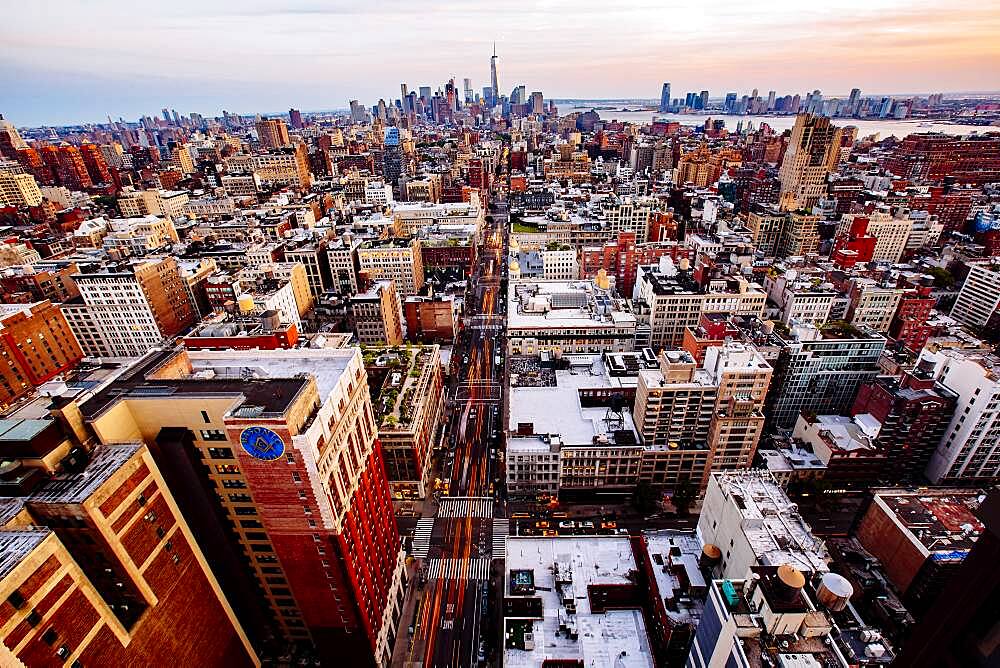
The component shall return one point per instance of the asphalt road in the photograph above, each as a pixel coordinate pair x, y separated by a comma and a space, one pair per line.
452, 617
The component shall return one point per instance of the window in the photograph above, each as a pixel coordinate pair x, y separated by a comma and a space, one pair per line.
213, 435
50, 636
204, 416
220, 453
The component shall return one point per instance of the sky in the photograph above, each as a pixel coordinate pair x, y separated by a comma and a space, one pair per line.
69, 61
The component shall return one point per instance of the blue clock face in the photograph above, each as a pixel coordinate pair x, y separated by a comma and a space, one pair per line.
262, 443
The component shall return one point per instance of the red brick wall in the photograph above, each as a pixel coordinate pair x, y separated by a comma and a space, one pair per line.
881, 536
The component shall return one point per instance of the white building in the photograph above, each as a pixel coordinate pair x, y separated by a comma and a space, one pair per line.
566, 317
551, 585
559, 264
378, 193
750, 519
979, 297
970, 448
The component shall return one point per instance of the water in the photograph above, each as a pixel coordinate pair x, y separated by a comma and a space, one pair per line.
883, 127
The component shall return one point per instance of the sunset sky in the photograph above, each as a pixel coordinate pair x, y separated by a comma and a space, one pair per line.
79, 61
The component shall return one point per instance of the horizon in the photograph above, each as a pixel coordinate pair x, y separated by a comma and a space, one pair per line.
98, 59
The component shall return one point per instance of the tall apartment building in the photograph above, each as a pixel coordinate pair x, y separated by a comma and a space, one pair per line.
276, 465
399, 260
980, 296
676, 302
97, 166
272, 133
820, 370
19, 190
693, 420
283, 167
140, 203
767, 229
377, 315
970, 448
36, 344
125, 311
800, 235
873, 305
313, 257
912, 413
66, 163
341, 255
891, 233
812, 153
100, 568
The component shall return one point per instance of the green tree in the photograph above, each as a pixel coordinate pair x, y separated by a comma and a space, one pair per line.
644, 497
684, 495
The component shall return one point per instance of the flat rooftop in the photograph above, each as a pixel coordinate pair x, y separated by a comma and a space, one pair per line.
776, 532
73, 488
273, 391
615, 638
943, 521
674, 560
541, 304
559, 411
17, 545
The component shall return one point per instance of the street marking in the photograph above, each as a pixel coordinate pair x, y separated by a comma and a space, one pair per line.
465, 507
501, 527
458, 569
422, 537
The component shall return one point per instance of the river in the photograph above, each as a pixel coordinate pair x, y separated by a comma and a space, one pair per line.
883, 127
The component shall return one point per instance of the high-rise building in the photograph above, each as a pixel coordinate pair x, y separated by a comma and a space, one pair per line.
279, 462
467, 87
288, 166
392, 157
703, 100
537, 103
968, 451
812, 153
821, 369
980, 296
494, 85
377, 315
272, 133
696, 419
359, 115
397, 259
36, 344
97, 166
100, 567
665, 98
967, 603
19, 190
66, 163
127, 311
10, 140
295, 119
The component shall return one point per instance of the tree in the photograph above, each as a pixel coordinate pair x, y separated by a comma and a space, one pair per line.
644, 497
684, 495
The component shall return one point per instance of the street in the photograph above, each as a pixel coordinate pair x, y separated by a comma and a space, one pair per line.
456, 548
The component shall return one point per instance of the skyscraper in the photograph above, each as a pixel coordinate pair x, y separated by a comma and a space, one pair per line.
665, 98
493, 76
272, 133
296, 467
295, 118
392, 156
537, 103
813, 152
467, 85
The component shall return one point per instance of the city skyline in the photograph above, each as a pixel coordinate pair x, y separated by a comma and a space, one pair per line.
251, 58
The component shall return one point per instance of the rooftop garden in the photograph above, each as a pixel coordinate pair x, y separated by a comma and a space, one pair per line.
396, 401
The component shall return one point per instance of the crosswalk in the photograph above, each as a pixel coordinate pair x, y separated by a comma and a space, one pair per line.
501, 526
458, 569
422, 537
459, 506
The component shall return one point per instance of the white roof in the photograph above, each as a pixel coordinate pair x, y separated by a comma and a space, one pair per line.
614, 639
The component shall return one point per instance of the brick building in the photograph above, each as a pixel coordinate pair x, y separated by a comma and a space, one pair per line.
99, 568
36, 344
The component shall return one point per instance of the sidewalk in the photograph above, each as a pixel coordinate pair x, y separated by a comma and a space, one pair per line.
401, 652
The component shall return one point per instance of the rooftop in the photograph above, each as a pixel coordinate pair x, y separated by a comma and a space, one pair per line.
771, 523
570, 575
679, 582
540, 304
942, 521
16, 545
